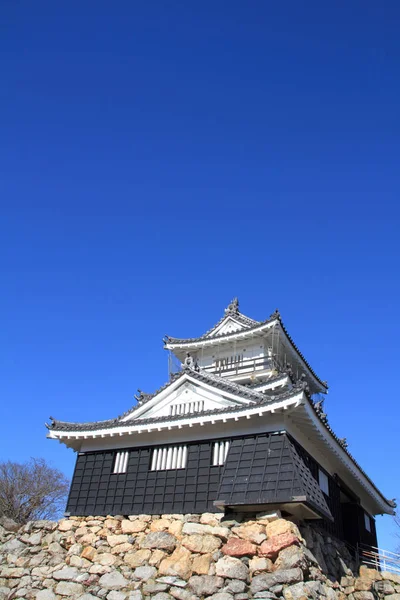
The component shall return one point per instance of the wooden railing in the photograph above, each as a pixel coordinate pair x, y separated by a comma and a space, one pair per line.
242, 366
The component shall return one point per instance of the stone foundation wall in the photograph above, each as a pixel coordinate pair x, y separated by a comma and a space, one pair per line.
186, 557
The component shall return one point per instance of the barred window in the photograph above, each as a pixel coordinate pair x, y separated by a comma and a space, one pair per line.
323, 481
186, 407
220, 451
121, 462
173, 457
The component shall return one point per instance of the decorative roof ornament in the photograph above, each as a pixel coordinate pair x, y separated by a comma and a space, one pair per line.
188, 362
233, 307
275, 315
343, 442
320, 411
303, 384
141, 397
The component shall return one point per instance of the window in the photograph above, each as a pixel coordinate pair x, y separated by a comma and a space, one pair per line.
174, 457
121, 462
367, 522
323, 481
220, 451
186, 408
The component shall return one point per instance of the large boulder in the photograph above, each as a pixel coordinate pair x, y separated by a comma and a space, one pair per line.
281, 526
192, 528
271, 547
201, 543
179, 563
254, 533
132, 526
268, 580
113, 581
161, 540
66, 574
138, 558
67, 588
290, 558
205, 585
238, 547
232, 568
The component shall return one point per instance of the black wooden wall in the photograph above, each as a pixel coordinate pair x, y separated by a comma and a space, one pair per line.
95, 490
246, 478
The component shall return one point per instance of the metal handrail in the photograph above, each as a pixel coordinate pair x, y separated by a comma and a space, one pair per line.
376, 558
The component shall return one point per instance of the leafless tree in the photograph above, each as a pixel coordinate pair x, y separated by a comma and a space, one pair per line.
32, 490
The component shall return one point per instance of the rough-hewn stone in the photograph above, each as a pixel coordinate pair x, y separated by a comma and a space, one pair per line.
232, 568
67, 588
280, 526
191, 528
254, 532
132, 526
271, 547
290, 558
205, 585
182, 557
161, 540
113, 581
138, 558
179, 563
238, 547
201, 564
268, 580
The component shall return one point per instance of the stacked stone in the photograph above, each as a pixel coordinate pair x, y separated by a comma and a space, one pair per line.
186, 557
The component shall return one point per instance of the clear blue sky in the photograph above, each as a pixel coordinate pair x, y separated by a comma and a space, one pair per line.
159, 158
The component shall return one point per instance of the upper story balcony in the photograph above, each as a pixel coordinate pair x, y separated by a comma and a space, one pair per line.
237, 368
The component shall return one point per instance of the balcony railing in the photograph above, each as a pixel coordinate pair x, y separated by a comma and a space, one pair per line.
375, 558
241, 367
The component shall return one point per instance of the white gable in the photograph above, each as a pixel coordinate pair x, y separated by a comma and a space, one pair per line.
186, 396
228, 325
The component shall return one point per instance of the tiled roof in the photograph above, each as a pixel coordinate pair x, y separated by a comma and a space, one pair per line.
214, 380
259, 399
317, 407
246, 321
250, 327
231, 311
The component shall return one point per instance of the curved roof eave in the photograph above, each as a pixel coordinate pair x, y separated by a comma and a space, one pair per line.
172, 343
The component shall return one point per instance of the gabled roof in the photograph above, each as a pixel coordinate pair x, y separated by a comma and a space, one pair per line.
248, 326
232, 314
254, 403
220, 383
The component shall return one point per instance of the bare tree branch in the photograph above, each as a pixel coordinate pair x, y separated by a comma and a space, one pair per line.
32, 490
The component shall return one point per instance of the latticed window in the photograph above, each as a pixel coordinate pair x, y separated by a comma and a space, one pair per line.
220, 452
121, 462
186, 408
173, 457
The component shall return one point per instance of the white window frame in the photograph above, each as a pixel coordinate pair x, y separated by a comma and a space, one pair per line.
323, 481
367, 522
120, 462
219, 453
168, 458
